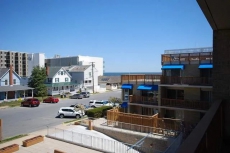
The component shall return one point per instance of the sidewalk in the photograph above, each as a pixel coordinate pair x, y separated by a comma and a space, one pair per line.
48, 145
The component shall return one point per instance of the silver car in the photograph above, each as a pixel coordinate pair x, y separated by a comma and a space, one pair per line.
76, 96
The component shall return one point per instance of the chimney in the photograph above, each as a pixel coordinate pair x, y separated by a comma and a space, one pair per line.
47, 70
11, 75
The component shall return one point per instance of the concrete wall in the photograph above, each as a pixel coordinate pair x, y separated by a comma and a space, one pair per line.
159, 144
221, 73
192, 93
35, 59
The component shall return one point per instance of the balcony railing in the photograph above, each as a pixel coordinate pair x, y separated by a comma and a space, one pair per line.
186, 80
207, 135
187, 58
151, 78
185, 103
143, 100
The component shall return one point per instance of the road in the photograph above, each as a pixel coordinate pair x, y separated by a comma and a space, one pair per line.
23, 120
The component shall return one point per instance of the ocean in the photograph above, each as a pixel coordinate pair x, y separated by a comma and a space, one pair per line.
127, 73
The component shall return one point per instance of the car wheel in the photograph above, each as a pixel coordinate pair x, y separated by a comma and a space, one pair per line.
78, 116
61, 116
22, 105
37, 105
93, 106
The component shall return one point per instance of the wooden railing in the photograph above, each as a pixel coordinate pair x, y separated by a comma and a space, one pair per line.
144, 120
185, 103
187, 57
207, 135
150, 78
186, 80
143, 100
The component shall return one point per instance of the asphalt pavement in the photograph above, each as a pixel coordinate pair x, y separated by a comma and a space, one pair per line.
23, 120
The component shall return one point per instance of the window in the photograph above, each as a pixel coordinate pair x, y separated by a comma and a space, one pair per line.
90, 75
66, 79
6, 82
14, 81
49, 80
61, 72
89, 81
86, 81
56, 79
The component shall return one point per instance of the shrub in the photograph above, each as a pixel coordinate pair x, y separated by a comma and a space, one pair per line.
98, 112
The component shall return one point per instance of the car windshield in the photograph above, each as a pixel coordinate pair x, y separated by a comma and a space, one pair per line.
83, 93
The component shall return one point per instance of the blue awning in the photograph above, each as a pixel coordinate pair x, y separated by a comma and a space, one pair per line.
124, 105
127, 86
206, 66
169, 67
148, 87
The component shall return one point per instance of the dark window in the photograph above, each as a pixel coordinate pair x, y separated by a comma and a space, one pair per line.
6, 82
89, 81
61, 72
66, 79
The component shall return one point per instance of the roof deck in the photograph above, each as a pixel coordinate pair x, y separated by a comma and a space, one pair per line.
141, 79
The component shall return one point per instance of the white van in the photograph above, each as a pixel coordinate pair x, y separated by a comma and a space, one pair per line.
99, 103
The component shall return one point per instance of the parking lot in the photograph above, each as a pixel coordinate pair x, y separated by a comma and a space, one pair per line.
22, 120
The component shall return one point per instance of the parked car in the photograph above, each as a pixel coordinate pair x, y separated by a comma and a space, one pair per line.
30, 102
51, 100
76, 96
70, 112
99, 103
85, 94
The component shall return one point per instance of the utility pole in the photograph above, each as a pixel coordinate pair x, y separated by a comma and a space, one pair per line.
93, 74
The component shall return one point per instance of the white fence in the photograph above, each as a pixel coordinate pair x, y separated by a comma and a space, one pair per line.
96, 143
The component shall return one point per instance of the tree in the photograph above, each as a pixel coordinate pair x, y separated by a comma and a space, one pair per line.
115, 100
37, 80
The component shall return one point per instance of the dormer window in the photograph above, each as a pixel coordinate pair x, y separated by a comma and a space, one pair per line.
61, 72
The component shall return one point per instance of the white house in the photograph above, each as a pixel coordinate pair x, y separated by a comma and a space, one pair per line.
109, 82
58, 81
84, 76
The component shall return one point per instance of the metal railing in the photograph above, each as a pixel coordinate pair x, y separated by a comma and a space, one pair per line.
189, 50
186, 80
185, 103
89, 141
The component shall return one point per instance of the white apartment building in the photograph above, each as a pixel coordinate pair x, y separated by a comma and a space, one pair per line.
76, 60
35, 59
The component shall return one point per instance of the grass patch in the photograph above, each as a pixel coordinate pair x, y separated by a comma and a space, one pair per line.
13, 138
11, 103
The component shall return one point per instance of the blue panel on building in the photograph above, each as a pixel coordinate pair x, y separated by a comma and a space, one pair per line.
124, 105
206, 66
169, 67
127, 86
148, 87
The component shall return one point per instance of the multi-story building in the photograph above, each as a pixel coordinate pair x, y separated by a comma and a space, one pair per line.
185, 91
77, 60
17, 59
140, 93
35, 59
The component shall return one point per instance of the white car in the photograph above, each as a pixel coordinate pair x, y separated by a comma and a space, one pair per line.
99, 103
70, 112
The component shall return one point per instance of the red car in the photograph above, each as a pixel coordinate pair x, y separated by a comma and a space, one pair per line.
30, 102
51, 100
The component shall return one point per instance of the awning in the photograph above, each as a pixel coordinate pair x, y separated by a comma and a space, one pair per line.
127, 86
124, 105
206, 66
169, 67
148, 87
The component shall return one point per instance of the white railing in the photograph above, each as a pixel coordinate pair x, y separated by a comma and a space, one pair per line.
189, 50
95, 143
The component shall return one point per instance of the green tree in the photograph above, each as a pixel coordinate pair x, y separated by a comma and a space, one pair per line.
115, 100
37, 80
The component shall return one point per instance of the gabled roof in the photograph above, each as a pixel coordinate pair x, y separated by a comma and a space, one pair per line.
78, 68
3, 71
109, 79
54, 70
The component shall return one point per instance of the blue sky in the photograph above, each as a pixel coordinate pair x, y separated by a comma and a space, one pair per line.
130, 35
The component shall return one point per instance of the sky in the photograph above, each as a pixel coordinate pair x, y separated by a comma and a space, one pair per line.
130, 35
